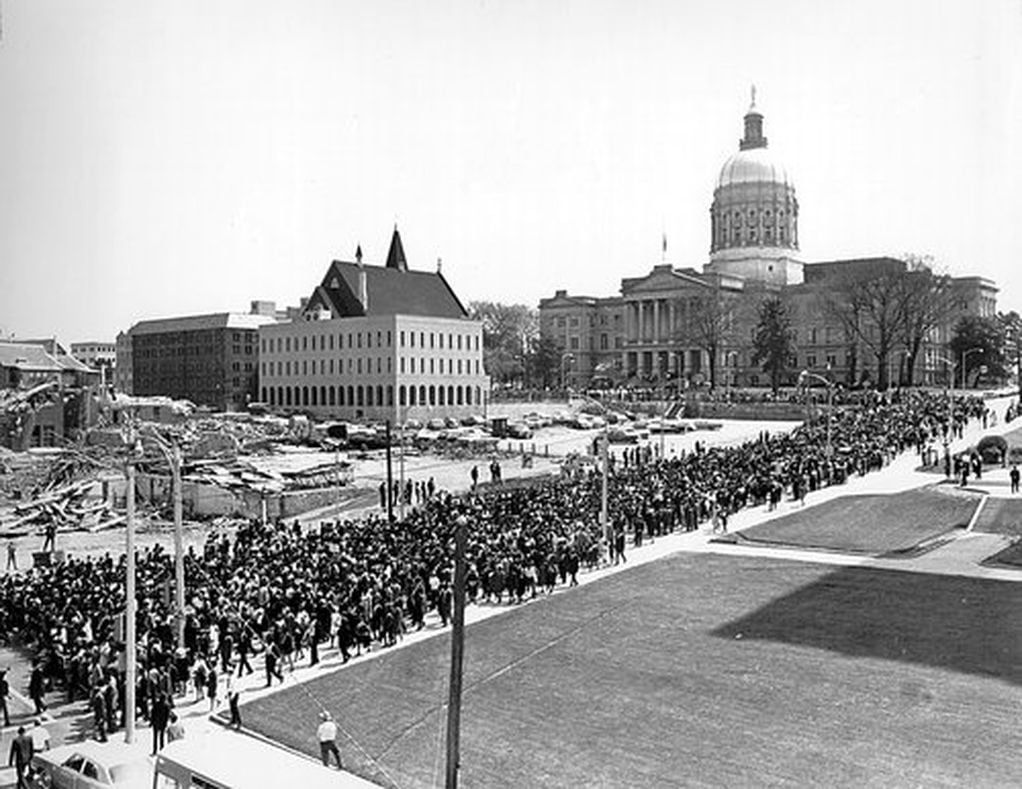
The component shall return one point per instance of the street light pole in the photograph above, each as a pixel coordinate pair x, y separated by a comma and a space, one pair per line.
130, 639
830, 404
179, 552
457, 654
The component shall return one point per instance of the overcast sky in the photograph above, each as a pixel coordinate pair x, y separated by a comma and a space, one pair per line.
170, 158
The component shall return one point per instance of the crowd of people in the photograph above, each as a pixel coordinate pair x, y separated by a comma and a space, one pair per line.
284, 593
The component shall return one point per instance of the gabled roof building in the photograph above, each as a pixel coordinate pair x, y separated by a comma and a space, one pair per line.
375, 342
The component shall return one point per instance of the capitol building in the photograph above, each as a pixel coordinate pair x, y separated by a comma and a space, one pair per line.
653, 332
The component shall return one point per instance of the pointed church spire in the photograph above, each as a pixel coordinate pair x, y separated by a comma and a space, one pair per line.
358, 254
396, 255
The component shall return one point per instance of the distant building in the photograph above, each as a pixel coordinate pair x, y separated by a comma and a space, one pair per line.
45, 394
123, 380
375, 342
100, 356
211, 360
658, 322
590, 333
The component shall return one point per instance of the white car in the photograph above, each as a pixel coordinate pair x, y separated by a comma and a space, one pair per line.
94, 765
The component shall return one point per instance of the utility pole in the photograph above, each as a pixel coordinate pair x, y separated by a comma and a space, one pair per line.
390, 479
457, 654
129, 615
179, 551
604, 452
401, 467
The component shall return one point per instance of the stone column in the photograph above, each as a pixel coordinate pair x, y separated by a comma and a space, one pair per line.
656, 320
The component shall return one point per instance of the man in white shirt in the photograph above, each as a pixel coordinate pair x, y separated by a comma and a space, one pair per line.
327, 736
40, 736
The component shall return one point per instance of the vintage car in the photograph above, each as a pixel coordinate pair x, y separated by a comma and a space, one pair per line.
93, 765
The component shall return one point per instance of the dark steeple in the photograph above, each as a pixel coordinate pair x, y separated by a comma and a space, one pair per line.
753, 127
396, 255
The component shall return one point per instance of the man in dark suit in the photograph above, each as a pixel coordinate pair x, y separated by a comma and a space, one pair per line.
22, 750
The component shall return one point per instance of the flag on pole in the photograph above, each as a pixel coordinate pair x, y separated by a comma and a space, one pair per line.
665, 243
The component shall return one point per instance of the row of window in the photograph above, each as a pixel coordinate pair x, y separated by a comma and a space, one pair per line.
325, 367
369, 396
563, 321
325, 342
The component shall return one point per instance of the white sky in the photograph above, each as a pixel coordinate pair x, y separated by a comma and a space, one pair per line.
192, 155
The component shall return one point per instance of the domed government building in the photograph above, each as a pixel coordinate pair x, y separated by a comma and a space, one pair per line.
679, 327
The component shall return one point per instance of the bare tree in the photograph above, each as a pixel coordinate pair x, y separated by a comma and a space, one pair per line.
711, 325
870, 304
928, 300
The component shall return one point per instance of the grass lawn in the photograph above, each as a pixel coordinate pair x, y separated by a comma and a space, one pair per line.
876, 525
1000, 516
699, 670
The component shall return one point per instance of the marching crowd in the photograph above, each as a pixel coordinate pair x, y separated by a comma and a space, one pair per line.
285, 594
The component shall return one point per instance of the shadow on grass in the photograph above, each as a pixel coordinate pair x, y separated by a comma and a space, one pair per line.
966, 625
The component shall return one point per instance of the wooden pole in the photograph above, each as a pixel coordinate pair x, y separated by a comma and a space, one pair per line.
129, 624
390, 479
457, 655
179, 548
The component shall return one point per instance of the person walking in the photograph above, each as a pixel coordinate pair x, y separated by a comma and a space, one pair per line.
1014, 476
232, 702
20, 757
5, 693
12, 555
37, 688
160, 718
327, 736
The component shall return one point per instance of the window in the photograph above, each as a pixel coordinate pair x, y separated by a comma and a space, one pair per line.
604, 342
574, 343
401, 339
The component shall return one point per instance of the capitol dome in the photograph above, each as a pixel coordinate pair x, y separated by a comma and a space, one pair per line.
753, 165
754, 214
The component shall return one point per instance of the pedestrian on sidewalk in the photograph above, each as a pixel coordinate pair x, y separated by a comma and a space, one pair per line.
327, 736
20, 757
12, 555
160, 718
37, 688
1014, 475
232, 702
175, 729
5, 693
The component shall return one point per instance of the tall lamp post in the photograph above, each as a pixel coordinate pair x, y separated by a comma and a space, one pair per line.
950, 412
172, 453
565, 358
965, 368
802, 376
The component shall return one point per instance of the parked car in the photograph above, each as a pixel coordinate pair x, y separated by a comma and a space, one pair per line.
93, 765
519, 431
617, 435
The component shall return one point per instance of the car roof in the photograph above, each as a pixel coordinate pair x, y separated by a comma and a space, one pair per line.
108, 753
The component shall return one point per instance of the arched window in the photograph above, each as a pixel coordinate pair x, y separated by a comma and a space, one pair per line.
468, 395
432, 395
288, 393
305, 395
422, 395
450, 394
390, 395
360, 395
369, 396
313, 396
479, 396
351, 395
440, 394
401, 395
333, 393
411, 395
379, 394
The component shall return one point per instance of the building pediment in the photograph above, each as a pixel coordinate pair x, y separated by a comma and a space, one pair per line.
662, 279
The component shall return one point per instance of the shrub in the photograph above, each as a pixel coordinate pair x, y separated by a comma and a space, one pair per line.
992, 448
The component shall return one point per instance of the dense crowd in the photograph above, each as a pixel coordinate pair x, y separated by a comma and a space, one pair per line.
285, 593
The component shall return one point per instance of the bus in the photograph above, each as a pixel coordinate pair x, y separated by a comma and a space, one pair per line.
230, 760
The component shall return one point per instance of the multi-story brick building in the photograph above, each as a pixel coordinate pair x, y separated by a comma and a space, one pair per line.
211, 360
376, 342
